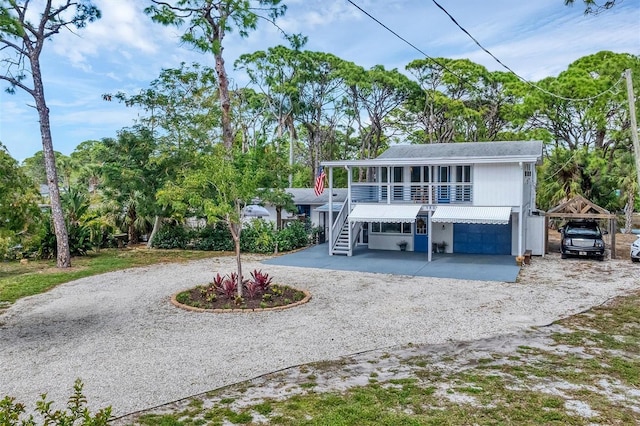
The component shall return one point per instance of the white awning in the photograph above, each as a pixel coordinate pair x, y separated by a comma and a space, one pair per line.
469, 214
384, 213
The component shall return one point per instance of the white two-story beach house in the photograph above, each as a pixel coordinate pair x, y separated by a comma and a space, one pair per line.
471, 197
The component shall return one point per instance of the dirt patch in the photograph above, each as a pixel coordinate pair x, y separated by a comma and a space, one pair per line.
581, 370
456, 374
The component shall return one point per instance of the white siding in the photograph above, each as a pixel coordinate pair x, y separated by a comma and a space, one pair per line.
514, 234
389, 241
535, 235
443, 232
496, 184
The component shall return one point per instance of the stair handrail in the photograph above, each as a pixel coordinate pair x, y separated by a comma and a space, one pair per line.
336, 226
355, 231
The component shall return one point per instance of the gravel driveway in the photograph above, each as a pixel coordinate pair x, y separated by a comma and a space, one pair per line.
134, 350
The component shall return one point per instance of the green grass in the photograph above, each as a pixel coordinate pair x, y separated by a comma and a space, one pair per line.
494, 389
21, 280
499, 389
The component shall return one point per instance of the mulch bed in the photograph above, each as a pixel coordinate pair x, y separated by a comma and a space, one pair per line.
205, 297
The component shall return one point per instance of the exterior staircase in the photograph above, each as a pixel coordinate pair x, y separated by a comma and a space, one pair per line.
342, 244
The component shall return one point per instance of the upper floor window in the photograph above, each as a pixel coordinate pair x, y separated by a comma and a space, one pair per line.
444, 173
415, 173
420, 174
398, 174
463, 174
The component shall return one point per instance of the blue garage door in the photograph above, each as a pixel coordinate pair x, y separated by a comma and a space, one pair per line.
481, 239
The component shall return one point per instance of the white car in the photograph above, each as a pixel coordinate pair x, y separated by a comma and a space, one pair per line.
635, 250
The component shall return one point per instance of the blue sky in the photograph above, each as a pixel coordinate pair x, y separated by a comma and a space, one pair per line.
125, 51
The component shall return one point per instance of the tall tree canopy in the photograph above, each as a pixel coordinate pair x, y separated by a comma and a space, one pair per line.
22, 42
209, 21
217, 187
587, 124
593, 7
18, 198
132, 173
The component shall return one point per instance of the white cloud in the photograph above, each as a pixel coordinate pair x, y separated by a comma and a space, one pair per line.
125, 50
123, 29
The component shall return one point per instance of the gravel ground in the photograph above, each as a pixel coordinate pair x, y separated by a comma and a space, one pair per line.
134, 350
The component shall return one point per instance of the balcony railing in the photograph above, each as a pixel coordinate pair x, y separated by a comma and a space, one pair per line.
424, 193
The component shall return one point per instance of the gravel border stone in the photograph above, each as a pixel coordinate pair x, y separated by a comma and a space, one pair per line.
133, 349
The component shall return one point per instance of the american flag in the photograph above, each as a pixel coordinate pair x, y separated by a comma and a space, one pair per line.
319, 186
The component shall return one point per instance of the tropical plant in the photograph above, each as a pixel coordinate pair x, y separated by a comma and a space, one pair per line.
77, 412
26, 41
228, 287
172, 236
132, 173
252, 289
219, 185
262, 280
294, 236
258, 236
19, 212
217, 280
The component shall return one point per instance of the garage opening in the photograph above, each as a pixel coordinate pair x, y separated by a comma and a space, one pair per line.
470, 238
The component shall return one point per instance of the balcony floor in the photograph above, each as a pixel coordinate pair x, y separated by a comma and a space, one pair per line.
458, 266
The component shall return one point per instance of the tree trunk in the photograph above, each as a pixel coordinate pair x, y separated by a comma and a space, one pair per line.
235, 234
278, 218
628, 211
154, 231
131, 227
63, 259
225, 100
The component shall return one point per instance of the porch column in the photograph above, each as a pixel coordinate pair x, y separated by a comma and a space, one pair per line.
388, 184
520, 224
348, 206
520, 251
429, 246
330, 211
348, 189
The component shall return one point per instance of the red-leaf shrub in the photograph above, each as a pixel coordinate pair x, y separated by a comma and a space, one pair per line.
252, 289
263, 281
229, 286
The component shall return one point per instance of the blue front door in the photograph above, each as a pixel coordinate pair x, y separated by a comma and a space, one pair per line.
420, 237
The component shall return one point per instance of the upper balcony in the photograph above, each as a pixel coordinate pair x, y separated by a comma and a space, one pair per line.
412, 193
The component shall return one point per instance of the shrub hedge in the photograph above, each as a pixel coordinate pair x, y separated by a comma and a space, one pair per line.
258, 236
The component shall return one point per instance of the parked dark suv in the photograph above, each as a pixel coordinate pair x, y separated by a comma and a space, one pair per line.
582, 238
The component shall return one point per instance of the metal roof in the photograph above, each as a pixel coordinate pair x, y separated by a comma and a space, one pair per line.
302, 196
384, 213
457, 152
325, 207
472, 214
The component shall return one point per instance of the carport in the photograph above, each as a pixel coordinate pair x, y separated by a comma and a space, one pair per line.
579, 207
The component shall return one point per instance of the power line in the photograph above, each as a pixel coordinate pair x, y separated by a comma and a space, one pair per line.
464, 80
443, 66
516, 74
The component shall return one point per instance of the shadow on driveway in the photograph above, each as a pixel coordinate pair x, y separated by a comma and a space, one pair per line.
459, 266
